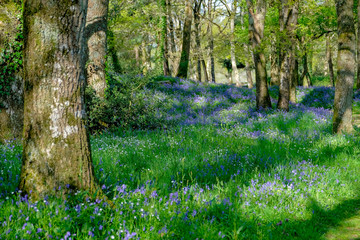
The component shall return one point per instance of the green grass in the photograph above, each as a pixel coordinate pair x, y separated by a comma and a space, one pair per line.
275, 176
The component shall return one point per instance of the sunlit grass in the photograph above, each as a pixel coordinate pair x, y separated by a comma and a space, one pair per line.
223, 170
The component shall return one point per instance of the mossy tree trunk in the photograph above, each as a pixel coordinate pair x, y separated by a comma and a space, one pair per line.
256, 31
342, 119
185, 52
11, 96
288, 14
330, 61
358, 47
96, 33
56, 148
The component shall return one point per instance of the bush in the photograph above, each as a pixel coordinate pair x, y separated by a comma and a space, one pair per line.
127, 104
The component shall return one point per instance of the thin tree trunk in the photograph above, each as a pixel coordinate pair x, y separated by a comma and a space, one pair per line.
56, 148
248, 75
294, 77
197, 38
288, 21
185, 52
329, 61
275, 67
342, 120
305, 78
137, 56
211, 42
206, 78
235, 72
96, 30
164, 39
112, 50
256, 31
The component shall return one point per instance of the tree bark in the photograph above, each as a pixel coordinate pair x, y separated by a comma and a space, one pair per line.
211, 42
12, 104
288, 20
358, 47
185, 52
342, 120
275, 67
96, 31
206, 78
113, 55
56, 148
164, 39
235, 72
294, 77
305, 78
256, 31
329, 61
197, 38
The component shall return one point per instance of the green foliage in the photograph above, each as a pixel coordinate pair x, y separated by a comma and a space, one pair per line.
11, 60
126, 104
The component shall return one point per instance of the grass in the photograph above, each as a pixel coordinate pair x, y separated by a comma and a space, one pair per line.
219, 169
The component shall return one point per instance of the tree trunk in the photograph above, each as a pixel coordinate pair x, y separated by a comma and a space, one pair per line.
164, 39
305, 78
275, 67
197, 38
235, 72
11, 96
248, 75
137, 55
56, 148
113, 55
329, 61
294, 78
358, 47
211, 42
342, 120
185, 52
288, 20
256, 31
96, 30
206, 78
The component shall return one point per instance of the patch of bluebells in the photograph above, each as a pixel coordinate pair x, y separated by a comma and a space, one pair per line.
214, 194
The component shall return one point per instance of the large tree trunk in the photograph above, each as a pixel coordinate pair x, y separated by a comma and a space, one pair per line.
256, 31
11, 96
342, 120
288, 20
56, 148
329, 61
96, 30
358, 47
185, 52
235, 72
164, 39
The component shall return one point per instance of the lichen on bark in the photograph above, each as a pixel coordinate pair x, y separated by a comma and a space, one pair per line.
56, 144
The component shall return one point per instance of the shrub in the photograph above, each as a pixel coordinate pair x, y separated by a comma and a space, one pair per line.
127, 104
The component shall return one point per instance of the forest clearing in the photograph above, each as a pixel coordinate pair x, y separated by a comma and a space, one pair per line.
189, 119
